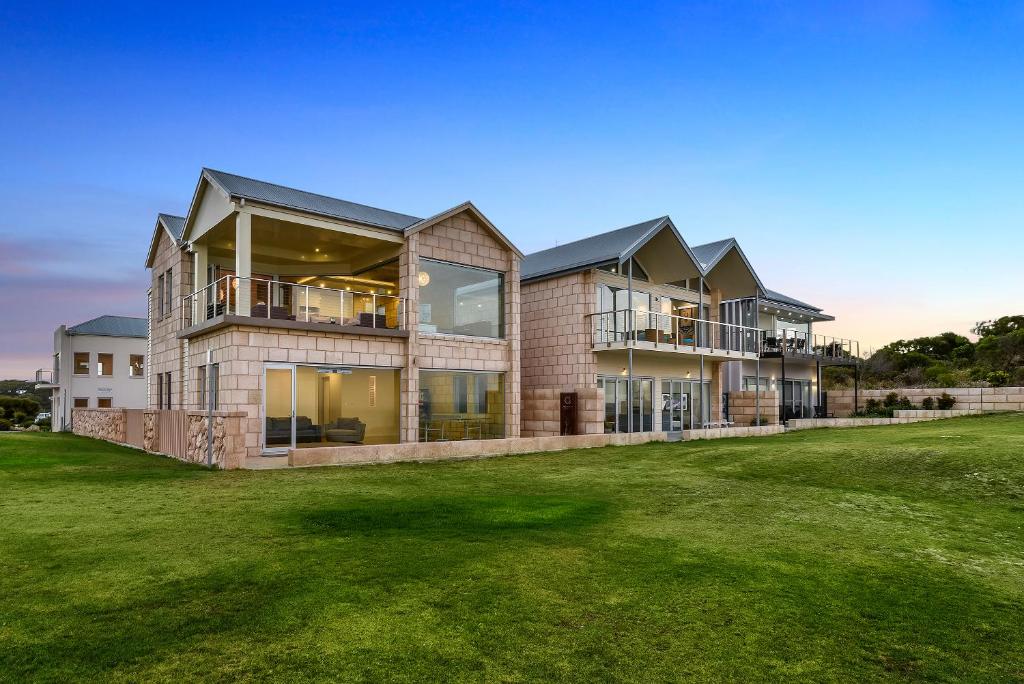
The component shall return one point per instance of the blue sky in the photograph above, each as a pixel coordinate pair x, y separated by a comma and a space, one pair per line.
867, 156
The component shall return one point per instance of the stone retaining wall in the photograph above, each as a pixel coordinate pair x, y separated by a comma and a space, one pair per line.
228, 441
541, 412
840, 402
743, 407
899, 418
723, 433
461, 449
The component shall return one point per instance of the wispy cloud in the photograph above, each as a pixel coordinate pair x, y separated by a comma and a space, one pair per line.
42, 287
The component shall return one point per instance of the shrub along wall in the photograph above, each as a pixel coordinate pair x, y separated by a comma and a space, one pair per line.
840, 402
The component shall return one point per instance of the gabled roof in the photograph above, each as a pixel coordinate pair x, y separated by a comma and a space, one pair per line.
173, 225
458, 209
282, 196
714, 252
709, 253
615, 245
112, 326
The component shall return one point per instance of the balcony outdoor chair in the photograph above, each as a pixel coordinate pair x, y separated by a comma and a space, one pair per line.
801, 345
214, 310
471, 426
429, 427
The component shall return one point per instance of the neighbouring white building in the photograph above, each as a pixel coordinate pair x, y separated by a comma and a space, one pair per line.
96, 364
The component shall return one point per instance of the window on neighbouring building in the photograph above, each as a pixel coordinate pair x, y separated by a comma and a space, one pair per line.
461, 300
135, 365
105, 364
104, 402
167, 390
81, 363
160, 390
81, 402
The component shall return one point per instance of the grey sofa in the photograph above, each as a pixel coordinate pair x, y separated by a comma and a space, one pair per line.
346, 430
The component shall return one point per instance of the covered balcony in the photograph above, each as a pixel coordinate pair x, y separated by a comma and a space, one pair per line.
797, 344
643, 329
254, 263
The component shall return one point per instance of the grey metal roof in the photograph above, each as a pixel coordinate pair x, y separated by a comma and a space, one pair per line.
589, 251
279, 195
175, 224
774, 296
707, 253
112, 326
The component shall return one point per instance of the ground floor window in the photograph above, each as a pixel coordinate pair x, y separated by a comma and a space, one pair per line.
461, 405
104, 402
683, 405
750, 382
617, 403
795, 399
306, 406
81, 402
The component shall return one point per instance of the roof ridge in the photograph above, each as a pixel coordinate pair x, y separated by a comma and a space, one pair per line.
597, 235
309, 192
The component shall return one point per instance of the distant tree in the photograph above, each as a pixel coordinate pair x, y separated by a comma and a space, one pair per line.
999, 326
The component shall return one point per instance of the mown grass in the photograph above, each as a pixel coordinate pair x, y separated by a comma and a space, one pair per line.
871, 553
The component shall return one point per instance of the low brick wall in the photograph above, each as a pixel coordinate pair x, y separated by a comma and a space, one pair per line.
540, 412
899, 418
840, 402
743, 407
723, 433
461, 449
228, 441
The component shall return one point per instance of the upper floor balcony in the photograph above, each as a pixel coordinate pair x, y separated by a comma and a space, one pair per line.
797, 344
258, 301
45, 377
641, 329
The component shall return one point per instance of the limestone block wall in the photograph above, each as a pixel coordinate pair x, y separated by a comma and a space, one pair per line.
541, 412
557, 345
743, 407
166, 350
840, 402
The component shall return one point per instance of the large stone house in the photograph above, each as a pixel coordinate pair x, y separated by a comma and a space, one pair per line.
331, 323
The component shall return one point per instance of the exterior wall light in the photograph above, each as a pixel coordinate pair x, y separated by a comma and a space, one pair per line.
423, 278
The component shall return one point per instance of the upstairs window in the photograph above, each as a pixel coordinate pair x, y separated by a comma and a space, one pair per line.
168, 291
136, 364
159, 296
105, 365
461, 300
81, 363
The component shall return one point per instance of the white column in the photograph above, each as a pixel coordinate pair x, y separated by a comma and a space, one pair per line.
243, 261
200, 302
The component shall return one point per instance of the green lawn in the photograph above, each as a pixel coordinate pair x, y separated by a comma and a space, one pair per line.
870, 553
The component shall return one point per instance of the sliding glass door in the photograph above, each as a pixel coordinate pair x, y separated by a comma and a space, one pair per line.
617, 405
279, 408
683, 405
306, 406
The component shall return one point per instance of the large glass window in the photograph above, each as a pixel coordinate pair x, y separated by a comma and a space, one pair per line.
460, 300
312, 406
461, 405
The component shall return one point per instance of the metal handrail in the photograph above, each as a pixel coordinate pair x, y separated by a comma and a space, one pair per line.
669, 330
45, 375
795, 342
220, 297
